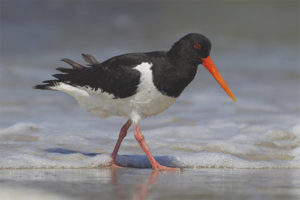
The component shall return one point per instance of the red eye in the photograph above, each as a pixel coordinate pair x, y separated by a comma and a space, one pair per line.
197, 46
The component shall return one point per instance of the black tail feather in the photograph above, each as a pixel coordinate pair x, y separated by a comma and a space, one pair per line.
61, 77
74, 64
90, 59
47, 86
48, 81
65, 70
68, 74
41, 87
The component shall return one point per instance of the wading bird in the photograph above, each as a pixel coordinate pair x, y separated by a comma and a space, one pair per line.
136, 85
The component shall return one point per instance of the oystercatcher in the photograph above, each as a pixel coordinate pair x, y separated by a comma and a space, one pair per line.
136, 85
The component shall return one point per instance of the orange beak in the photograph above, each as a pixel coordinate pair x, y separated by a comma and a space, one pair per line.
209, 65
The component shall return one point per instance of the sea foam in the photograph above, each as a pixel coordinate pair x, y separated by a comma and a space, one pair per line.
28, 145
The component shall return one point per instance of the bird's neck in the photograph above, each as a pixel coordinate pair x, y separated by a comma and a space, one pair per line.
175, 76
178, 56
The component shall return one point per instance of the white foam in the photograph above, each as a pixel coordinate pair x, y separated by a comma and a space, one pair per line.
27, 145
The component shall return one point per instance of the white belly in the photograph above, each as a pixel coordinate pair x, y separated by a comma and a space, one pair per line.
146, 102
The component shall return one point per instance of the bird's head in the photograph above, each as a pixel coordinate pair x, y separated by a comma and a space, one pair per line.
195, 48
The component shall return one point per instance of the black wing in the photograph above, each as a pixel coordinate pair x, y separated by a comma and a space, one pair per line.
115, 76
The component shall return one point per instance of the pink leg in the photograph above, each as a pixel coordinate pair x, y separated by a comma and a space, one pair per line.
140, 138
123, 133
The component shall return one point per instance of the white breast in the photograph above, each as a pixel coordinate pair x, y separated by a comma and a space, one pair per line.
146, 102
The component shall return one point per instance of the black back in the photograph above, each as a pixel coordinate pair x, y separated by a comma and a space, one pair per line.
172, 70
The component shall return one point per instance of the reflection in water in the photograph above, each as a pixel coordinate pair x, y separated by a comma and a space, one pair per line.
130, 183
142, 187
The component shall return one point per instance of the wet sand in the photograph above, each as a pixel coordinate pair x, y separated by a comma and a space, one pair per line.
129, 183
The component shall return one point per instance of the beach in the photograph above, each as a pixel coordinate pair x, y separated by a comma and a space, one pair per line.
248, 149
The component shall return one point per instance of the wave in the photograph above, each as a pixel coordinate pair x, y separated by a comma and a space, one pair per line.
27, 146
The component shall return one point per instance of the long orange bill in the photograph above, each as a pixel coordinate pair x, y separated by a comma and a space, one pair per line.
209, 65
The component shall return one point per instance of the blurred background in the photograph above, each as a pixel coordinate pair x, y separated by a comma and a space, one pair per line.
255, 46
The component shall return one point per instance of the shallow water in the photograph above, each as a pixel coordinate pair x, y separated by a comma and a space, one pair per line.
256, 54
144, 184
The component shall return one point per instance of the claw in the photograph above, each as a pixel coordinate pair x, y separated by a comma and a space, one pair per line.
161, 167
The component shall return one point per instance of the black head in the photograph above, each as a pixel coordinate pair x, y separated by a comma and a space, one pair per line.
192, 48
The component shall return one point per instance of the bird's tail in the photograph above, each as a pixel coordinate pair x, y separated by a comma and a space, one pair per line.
47, 85
66, 72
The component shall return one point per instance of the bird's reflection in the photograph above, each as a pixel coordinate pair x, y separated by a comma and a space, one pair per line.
141, 189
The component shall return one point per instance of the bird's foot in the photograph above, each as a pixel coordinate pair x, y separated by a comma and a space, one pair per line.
159, 167
114, 165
